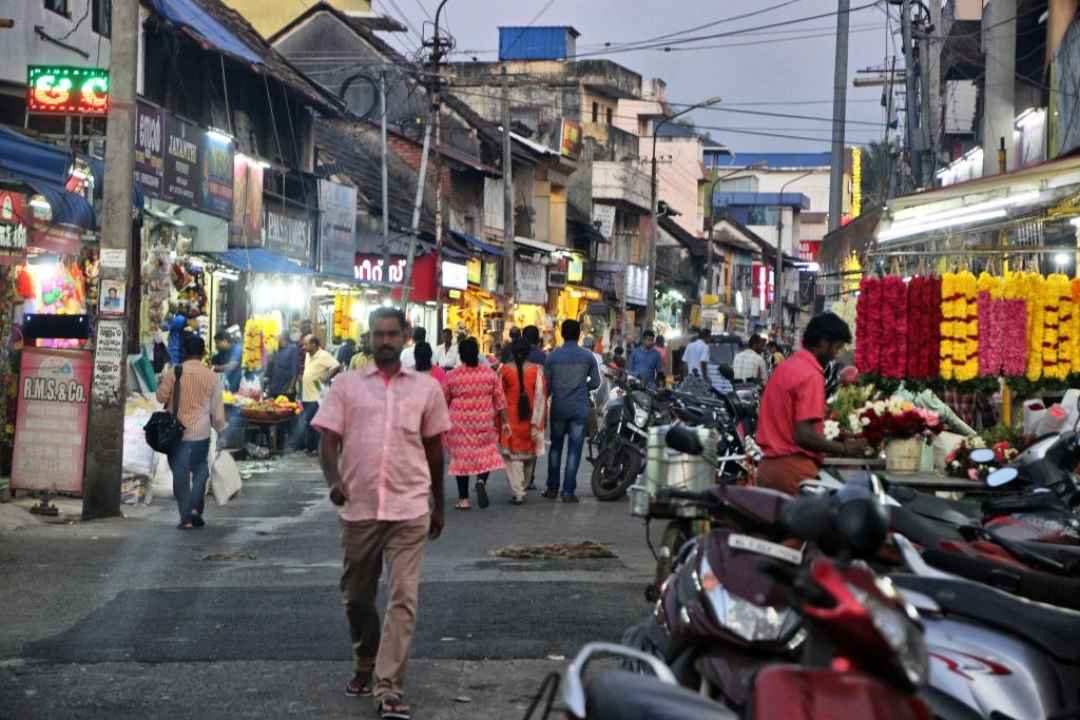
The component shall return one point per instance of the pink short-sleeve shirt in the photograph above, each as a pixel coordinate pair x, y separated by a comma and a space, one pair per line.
382, 423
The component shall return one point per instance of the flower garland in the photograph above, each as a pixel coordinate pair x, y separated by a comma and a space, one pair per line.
1066, 327
894, 328
1011, 322
917, 313
949, 312
989, 352
959, 327
932, 344
868, 312
1035, 296
1074, 336
1057, 298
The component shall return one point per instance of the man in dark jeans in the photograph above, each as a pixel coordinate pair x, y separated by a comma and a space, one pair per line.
571, 374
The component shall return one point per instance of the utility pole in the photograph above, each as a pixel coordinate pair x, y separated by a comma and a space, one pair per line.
385, 181
778, 280
509, 281
839, 116
911, 120
105, 454
436, 111
932, 115
415, 229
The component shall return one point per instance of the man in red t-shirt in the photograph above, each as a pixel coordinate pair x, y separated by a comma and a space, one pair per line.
792, 416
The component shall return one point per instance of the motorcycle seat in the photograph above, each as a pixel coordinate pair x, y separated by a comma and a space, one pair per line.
1055, 630
954, 512
620, 695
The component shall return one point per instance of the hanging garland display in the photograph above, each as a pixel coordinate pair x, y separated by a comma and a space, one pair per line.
868, 311
959, 327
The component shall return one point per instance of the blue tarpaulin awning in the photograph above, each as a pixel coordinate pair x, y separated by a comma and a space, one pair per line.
478, 244
188, 15
257, 260
44, 168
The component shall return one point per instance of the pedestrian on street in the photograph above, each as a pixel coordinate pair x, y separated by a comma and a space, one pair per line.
382, 458
478, 414
523, 387
666, 373
200, 406
791, 421
507, 354
446, 352
423, 355
571, 373
696, 355
749, 365
408, 355
281, 374
319, 368
363, 356
645, 360
227, 360
536, 352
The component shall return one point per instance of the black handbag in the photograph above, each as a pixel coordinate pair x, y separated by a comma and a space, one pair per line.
164, 431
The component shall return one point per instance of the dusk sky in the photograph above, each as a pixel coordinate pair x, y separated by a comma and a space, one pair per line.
761, 72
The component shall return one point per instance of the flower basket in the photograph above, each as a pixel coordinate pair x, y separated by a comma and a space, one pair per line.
903, 456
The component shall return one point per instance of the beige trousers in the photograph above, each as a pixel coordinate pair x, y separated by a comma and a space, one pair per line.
367, 545
519, 472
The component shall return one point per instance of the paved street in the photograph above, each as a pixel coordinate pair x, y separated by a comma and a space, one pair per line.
134, 619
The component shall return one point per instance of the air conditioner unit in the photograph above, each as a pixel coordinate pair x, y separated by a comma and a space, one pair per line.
556, 279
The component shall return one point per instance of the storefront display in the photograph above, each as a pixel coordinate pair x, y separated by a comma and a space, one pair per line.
261, 335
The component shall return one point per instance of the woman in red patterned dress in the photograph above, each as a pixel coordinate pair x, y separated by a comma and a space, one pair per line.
478, 413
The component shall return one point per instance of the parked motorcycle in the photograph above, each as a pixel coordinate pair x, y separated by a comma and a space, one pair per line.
863, 653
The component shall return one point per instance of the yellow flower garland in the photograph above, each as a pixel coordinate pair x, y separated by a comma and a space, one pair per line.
966, 339
1036, 296
948, 313
261, 335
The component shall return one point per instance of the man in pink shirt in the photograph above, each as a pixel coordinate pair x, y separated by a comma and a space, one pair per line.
792, 417
381, 454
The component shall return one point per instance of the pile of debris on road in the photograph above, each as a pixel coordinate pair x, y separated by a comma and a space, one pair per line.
575, 551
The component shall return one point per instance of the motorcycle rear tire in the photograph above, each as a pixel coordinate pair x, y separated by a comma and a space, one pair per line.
613, 472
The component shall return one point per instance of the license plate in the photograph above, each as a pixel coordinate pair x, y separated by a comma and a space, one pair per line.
764, 547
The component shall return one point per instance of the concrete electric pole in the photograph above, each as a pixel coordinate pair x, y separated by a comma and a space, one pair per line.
912, 136
508, 205
839, 116
105, 453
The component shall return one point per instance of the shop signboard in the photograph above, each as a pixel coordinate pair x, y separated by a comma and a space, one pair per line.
12, 228
637, 285
149, 148
575, 269
530, 283
67, 90
245, 230
455, 276
491, 277
217, 177
337, 228
182, 174
570, 146
50, 422
288, 235
476, 270
369, 269
605, 215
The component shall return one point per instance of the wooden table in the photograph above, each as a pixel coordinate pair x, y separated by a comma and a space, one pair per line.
917, 480
269, 427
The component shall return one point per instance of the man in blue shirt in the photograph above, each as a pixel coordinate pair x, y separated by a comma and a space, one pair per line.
645, 360
571, 374
227, 360
283, 368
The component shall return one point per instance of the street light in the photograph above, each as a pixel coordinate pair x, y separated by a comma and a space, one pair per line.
650, 303
778, 282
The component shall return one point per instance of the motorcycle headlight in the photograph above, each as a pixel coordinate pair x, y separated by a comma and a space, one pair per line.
901, 633
753, 623
641, 416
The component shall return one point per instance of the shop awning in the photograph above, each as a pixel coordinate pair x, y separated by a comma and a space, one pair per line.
44, 168
478, 244
257, 260
204, 27
537, 244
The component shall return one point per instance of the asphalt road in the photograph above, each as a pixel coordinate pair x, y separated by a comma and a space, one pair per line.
131, 618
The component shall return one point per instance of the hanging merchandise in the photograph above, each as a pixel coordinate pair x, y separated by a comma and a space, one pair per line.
261, 335
345, 324
924, 327
868, 321
959, 327
155, 278
1011, 325
1057, 315
989, 293
894, 329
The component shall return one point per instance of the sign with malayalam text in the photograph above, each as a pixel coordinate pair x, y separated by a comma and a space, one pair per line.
369, 269
12, 228
149, 148
50, 423
67, 90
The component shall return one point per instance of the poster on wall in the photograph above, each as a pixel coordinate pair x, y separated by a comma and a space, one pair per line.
245, 230
337, 228
182, 181
637, 285
108, 362
217, 178
149, 148
111, 298
50, 423
530, 283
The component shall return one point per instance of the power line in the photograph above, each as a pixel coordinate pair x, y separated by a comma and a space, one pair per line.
764, 113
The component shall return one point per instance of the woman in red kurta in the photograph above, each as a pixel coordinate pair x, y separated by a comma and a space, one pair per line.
523, 441
478, 413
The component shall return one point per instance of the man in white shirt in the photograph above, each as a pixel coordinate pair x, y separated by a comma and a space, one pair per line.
408, 354
749, 365
446, 352
696, 355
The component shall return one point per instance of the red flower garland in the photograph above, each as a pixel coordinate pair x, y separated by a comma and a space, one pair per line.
931, 347
894, 331
868, 314
916, 322
989, 358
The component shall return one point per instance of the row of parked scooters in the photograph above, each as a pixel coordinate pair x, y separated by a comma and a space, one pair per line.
856, 599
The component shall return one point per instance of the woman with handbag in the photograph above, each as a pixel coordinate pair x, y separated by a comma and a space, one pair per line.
197, 406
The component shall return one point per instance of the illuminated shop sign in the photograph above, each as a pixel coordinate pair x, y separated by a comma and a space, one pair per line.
65, 90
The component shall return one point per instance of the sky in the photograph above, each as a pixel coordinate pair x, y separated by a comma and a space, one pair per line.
772, 75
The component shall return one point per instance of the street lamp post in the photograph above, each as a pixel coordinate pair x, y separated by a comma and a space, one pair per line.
650, 300
709, 284
778, 282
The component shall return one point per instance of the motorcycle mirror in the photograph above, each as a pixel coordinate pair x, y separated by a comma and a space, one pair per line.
684, 439
982, 455
863, 525
1001, 477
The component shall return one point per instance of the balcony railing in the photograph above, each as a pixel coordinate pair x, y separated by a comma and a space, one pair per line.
621, 182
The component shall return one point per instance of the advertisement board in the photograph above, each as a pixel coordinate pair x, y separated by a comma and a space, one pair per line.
570, 145
217, 176
369, 269
182, 175
13, 209
67, 90
637, 285
289, 235
530, 283
149, 148
245, 230
337, 228
455, 276
50, 423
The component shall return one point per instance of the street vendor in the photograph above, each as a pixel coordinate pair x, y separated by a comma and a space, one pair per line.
227, 360
792, 416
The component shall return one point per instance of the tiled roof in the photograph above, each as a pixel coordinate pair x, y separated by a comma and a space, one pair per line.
272, 62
